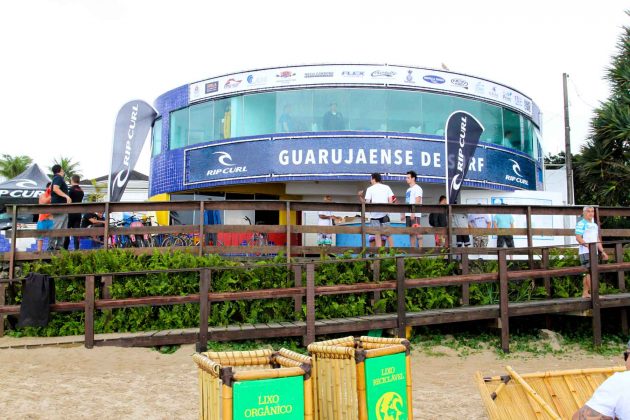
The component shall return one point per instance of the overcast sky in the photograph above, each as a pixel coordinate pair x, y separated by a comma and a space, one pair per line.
68, 65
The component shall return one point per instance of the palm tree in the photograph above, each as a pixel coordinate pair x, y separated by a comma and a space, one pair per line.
12, 166
603, 166
69, 167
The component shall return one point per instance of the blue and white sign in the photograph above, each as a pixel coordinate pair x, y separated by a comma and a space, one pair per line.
326, 157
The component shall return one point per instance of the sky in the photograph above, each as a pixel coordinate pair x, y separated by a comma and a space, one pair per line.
69, 65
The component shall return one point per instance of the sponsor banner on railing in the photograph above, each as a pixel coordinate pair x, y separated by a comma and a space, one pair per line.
361, 74
322, 158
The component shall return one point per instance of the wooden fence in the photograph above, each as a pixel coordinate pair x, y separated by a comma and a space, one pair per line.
306, 294
292, 232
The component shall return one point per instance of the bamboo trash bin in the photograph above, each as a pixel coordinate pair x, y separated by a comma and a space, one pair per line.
364, 378
247, 384
543, 395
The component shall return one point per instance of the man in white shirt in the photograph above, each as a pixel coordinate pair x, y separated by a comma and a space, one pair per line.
479, 221
413, 196
378, 193
587, 232
611, 400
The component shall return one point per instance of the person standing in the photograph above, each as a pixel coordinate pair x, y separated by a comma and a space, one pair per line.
611, 400
378, 193
504, 221
326, 218
74, 219
333, 119
58, 195
439, 220
479, 221
587, 232
45, 220
413, 196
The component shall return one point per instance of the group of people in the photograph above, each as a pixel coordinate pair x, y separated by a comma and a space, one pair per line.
58, 192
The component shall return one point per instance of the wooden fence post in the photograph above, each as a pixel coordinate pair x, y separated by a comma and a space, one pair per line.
288, 222
530, 238
400, 294
89, 312
465, 286
297, 282
376, 277
3, 289
363, 226
13, 243
449, 229
204, 309
504, 301
106, 227
310, 304
106, 282
546, 282
621, 285
202, 239
594, 272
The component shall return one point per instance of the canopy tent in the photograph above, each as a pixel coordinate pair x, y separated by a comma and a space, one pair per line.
24, 188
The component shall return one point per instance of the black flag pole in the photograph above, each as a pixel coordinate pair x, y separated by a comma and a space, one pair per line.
461, 136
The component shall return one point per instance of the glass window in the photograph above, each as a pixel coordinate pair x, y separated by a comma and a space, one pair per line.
201, 122
436, 109
156, 138
528, 136
368, 110
404, 111
512, 133
179, 129
222, 121
259, 112
294, 111
330, 109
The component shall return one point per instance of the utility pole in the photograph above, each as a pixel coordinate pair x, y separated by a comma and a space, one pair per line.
567, 142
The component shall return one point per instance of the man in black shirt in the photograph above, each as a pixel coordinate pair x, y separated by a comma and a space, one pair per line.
74, 219
333, 119
58, 195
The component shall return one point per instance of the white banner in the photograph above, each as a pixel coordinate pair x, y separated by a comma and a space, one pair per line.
360, 75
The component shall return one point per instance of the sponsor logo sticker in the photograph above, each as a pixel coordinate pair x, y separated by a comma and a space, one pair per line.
383, 74
231, 83
432, 78
461, 83
318, 74
212, 87
352, 73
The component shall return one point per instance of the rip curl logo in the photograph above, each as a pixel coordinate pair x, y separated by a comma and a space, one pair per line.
516, 167
225, 158
519, 179
25, 183
389, 407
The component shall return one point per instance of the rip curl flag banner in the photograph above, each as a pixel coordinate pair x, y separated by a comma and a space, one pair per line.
133, 123
462, 136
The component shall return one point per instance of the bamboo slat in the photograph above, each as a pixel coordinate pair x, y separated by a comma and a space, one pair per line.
385, 351
541, 395
254, 375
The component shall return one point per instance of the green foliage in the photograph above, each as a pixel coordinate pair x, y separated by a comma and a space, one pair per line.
12, 166
69, 167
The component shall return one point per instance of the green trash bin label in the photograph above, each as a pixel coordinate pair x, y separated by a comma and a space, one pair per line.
386, 387
281, 398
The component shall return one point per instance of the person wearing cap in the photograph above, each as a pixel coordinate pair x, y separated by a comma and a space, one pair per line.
611, 400
587, 232
413, 196
333, 119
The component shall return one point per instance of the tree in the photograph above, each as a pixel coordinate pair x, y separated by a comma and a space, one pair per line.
12, 166
602, 169
69, 167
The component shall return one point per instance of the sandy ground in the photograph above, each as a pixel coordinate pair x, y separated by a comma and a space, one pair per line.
139, 383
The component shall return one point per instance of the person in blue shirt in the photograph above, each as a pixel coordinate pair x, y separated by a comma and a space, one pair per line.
504, 221
587, 232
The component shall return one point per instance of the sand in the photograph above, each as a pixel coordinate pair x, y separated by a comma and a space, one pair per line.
140, 383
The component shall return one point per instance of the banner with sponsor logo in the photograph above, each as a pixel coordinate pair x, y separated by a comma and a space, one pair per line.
24, 188
386, 387
324, 157
362, 75
133, 123
462, 136
281, 398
